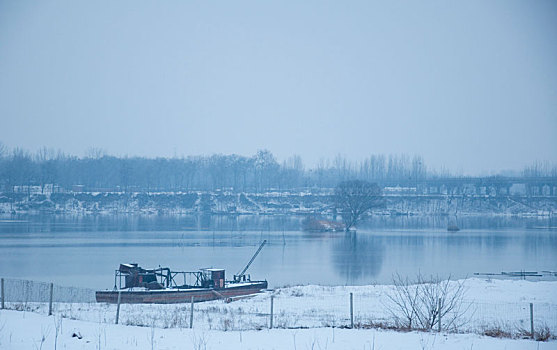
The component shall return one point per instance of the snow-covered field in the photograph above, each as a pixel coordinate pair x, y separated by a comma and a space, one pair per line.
27, 331
308, 317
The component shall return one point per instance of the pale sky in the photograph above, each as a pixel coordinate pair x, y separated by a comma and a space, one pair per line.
470, 85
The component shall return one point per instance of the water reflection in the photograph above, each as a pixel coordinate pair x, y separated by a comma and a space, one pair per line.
463, 222
357, 256
121, 222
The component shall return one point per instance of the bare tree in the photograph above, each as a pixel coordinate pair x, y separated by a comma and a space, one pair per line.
355, 198
46, 167
19, 169
404, 299
3, 150
423, 303
95, 153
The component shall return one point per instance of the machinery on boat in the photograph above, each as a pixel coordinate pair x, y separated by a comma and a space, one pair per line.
136, 285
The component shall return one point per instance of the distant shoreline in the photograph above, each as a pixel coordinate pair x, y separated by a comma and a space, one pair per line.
268, 203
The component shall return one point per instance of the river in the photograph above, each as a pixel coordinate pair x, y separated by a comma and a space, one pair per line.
84, 251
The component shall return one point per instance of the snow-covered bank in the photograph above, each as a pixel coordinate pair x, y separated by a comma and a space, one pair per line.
22, 331
489, 305
267, 203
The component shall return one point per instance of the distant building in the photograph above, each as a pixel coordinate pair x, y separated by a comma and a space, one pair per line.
78, 188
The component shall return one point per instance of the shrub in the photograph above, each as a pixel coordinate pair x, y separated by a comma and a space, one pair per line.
420, 304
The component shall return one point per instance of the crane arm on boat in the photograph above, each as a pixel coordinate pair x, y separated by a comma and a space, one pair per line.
241, 275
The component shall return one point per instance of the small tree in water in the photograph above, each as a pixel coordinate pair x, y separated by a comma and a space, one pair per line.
355, 198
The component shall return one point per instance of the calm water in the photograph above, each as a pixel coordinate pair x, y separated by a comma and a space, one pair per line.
85, 250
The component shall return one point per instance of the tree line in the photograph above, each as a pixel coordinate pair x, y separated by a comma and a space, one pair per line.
260, 172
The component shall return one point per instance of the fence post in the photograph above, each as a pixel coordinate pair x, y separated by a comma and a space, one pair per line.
439, 311
271, 322
532, 319
2, 291
351, 310
118, 307
191, 313
50, 299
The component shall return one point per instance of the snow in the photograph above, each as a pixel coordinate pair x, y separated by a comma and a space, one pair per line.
243, 324
24, 330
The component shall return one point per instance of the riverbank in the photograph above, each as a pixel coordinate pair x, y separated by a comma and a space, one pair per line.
312, 317
271, 203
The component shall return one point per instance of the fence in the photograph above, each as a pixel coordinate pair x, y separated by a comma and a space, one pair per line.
24, 291
290, 307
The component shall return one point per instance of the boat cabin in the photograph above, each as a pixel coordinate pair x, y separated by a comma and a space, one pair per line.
216, 276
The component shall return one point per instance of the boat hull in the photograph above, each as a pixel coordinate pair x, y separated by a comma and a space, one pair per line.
175, 296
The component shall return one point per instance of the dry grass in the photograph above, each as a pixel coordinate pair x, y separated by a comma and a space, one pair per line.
497, 332
379, 325
544, 334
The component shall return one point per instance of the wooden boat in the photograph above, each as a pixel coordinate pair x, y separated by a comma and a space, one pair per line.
162, 286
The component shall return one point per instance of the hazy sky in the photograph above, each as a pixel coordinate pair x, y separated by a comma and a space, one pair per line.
471, 84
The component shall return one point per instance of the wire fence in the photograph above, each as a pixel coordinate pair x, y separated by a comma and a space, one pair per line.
24, 291
290, 307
